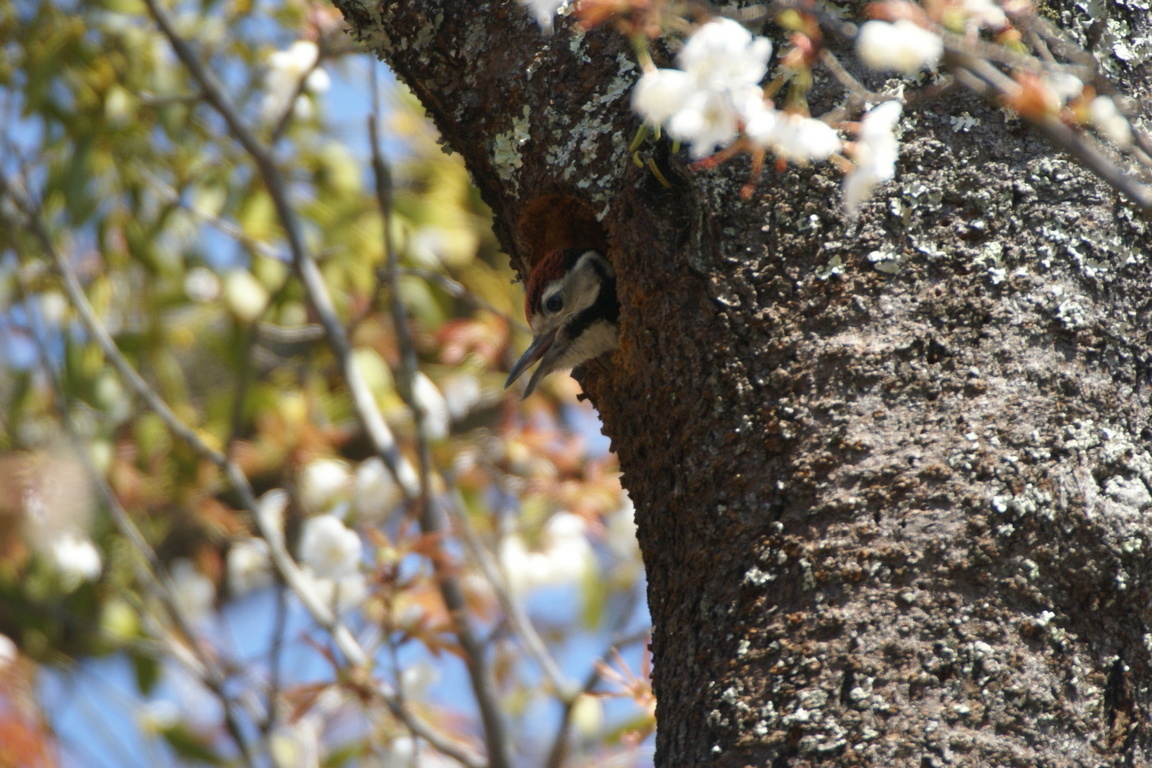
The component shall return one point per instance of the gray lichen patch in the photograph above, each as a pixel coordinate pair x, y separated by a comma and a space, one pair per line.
507, 147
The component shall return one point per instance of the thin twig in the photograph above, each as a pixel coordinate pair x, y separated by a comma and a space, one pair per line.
559, 751
277, 186
276, 658
457, 290
984, 79
857, 93
430, 516
521, 625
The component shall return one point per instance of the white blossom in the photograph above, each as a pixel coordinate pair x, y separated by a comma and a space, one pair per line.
322, 483
761, 127
661, 93
878, 125
286, 70
302, 109
723, 55
565, 556
543, 11
715, 91
432, 403
75, 558
296, 61
1065, 85
461, 393
244, 295
705, 121
8, 652
53, 307
270, 508
192, 592
516, 562
902, 46
408, 751
566, 545
803, 139
1110, 122
375, 493
330, 548
588, 715
712, 118
202, 285
318, 81
621, 532
249, 567
985, 13
418, 677
875, 153
343, 594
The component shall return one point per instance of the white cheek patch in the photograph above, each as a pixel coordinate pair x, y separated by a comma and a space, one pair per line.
599, 338
582, 296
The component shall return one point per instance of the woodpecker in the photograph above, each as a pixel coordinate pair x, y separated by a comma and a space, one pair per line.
570, 301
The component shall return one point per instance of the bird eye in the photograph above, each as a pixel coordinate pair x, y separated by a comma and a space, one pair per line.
554, 303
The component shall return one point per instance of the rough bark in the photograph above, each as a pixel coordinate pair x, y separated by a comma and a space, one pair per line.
892, 477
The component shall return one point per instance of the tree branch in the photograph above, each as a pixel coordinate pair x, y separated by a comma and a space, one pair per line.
430, 518
281, 559
383, 442
984, 79
151, 571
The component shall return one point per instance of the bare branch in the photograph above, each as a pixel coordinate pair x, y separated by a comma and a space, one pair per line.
559, 750
430, 516
984, 79
521, 625
383, 441
150, 570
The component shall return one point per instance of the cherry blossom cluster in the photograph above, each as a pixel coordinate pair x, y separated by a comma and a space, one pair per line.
908, 41
713, 99
292, 73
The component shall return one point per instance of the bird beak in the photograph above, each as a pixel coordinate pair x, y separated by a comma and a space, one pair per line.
536, 350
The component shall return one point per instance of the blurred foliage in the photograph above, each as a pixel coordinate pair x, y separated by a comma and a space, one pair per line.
178, 246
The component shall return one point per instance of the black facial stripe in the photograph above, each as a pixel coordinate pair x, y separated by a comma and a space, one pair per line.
606, 306
571, 256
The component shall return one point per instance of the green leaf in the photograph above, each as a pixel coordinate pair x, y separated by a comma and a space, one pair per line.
192, 746
80, 202
592, 599
344, 755
147, 672
257, 216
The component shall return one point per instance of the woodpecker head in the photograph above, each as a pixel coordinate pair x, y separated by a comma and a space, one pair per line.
570, 301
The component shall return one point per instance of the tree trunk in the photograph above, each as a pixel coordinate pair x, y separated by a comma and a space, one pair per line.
891, 477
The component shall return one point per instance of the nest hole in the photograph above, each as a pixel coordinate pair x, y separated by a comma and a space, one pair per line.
559, 221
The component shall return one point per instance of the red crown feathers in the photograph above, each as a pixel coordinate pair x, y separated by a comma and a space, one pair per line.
551, 266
